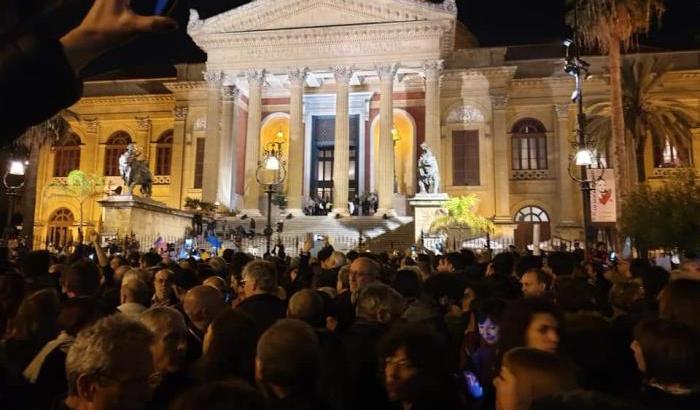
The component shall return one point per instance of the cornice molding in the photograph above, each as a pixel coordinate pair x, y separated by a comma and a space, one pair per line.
125, 99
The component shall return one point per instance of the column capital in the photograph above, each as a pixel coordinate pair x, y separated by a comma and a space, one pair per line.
255, 76
91, 125
499, 102
229, 93
342, 74
562, 110
180, 112
433, 69
143, 123
297, 76
214, 78
387, 72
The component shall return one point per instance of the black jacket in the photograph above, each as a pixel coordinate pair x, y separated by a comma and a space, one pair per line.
265, 309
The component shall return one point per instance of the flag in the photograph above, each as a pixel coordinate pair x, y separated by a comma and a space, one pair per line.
159, 245
214, 241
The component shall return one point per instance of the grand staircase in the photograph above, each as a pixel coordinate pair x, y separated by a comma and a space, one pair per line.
378, 234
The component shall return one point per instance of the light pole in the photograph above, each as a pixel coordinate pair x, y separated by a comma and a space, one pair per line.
271, 173
14, 182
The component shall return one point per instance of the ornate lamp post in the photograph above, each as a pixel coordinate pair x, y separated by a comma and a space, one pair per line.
13, 180
585, 155
271, 173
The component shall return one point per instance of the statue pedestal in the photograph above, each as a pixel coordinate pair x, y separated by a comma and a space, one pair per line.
146, 218
426, 207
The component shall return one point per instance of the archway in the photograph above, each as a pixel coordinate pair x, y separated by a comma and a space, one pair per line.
59, 227
275, 128
526, 218
404, 137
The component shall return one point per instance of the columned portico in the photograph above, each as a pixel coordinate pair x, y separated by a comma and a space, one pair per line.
255, 78
342, 140
297, 78
385, 164
501, 155
227, 148
212, 146
433, 71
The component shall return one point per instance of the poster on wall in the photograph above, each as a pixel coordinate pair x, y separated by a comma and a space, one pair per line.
603, 199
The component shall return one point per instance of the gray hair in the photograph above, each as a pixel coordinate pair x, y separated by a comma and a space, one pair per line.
379, 303
338, 259
157, 318
263, 273
93, 352
136, 291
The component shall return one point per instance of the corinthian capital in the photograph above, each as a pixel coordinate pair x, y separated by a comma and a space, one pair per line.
91, 125
180, 112
433, 69
562, 110
255, 76
297, 76
229, 93
143, 123
387, 72
214, 78
342, 74
499, 101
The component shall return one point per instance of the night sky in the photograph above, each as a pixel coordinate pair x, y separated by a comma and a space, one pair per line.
494, 22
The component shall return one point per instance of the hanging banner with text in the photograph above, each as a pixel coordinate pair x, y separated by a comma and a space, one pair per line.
603, 199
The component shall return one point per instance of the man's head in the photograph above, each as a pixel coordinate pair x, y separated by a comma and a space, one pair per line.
110, 366
170, 342
288, 357
202, 304
149, 260
307, 305
534, 282
81, 279
363, 271
324, 257
378, 303
135, 291
163, 285
560, 263
116, 261
259, 277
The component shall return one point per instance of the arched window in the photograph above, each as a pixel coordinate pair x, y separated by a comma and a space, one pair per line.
116, 145
670, 155
531, 214
60, 223
529, 145
66, 155
164, 153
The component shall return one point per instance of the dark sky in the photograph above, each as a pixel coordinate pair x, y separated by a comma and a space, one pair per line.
494, 22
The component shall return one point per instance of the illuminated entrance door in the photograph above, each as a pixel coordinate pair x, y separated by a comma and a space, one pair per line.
526, 218
322, 156
60, 222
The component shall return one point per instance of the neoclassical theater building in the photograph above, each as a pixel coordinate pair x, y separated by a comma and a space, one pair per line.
351, 88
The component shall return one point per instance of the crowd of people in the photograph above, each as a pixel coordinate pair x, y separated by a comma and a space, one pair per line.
347, 331
365, 205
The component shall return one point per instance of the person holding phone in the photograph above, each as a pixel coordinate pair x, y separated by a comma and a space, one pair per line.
33, 53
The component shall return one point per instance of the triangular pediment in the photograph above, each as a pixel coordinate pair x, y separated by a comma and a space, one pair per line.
262, 15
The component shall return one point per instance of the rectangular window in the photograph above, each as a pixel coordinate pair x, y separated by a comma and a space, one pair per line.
163, 159
465, 158
199, 163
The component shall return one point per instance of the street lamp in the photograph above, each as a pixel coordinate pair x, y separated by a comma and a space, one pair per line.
271, 173
13, 180
585, 155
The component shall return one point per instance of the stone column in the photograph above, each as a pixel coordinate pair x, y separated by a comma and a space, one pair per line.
341, 153
433, 71
568, 208
295, 163
178, 157
501, 157
251, 189
143, 140
227, 147
385, 158
210, 180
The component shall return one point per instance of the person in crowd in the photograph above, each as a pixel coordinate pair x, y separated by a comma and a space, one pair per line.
535, 283
229, 348
680, 301
531, 322
201, 305
484, 361
110, 366
12, 290
500, 282
260, 288
560, 264
378, 306
286, 364
416, 369
169, 350
217, 282
164, 293
221, 395
363, 271
440, 296
81, 279
668, 354
331, 262
528, 374
135, 295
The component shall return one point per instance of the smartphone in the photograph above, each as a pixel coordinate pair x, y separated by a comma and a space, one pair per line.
154, 7
164, 7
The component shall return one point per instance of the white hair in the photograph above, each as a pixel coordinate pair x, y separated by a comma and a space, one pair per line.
93, 352
379, 303
158, 318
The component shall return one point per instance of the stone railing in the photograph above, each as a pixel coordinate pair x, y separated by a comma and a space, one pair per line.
161, 179
59, 180
529, 174
667, 172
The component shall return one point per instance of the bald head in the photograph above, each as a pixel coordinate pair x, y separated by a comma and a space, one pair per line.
363, 271
202, 304
307, 305
215, 282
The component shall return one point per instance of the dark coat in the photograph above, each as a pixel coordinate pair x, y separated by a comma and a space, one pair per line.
265, 309
360, 345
